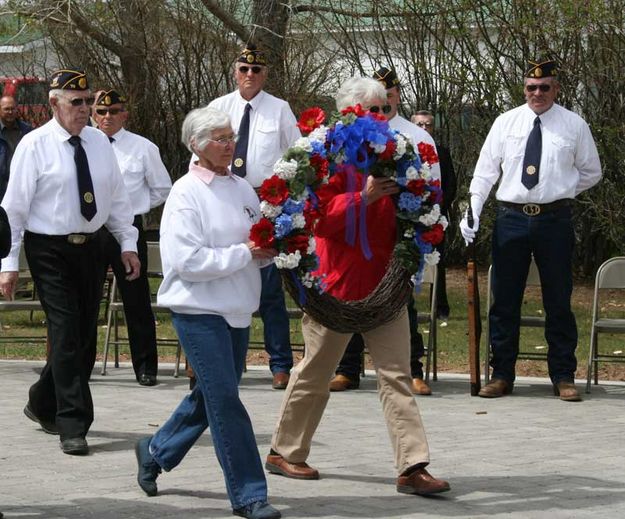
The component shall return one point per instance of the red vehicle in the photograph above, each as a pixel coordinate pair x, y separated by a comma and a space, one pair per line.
31, 95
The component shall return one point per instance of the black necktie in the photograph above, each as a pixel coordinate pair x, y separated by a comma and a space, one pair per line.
85, 185
111, 140
531, 161
239, 163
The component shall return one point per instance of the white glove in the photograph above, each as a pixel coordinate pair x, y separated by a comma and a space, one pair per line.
468, 233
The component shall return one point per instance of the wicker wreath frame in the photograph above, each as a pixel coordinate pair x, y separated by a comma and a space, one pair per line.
380, 307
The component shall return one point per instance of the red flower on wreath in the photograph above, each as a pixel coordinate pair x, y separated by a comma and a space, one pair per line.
274, 190
434, 235
358, 110
321, 166
262, 235
310, 119
428, 153
387, 154
416, 187
298, 242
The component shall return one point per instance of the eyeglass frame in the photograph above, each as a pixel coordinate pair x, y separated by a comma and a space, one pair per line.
422, 124
543, 87
224, 141
385, 109
112, 111
79, 101
244, 69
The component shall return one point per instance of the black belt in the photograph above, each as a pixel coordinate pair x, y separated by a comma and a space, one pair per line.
79, 238
536, 209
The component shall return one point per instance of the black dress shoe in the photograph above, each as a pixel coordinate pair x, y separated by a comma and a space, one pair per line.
47, 426
147, 380
257, 510
75, 446
148, 468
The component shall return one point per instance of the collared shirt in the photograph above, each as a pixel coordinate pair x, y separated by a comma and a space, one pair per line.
273, 128
569, 161
208, 267
416, 135
145, 176
42, 196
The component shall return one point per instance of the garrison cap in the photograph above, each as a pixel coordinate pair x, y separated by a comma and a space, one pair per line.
68, 79
542, 69
387, 77
109, 97
251, 55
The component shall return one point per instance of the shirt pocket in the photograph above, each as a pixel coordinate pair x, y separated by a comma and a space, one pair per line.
562, 154
514, 150
268, 138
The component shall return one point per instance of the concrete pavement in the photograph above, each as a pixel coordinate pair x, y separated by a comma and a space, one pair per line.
524, 456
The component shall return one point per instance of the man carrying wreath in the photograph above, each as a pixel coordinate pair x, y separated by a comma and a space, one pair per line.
350, 270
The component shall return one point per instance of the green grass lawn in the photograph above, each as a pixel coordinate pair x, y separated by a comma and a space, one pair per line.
451, 339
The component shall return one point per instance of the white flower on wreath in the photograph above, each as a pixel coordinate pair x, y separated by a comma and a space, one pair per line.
312, 245
378, 148
285, 170
432, 217
432, 258
444, 222
288, 261
412, 173
308, 280
426, 171
400, 140
299, 222
303, 143
318, 134
409, 233
269, 210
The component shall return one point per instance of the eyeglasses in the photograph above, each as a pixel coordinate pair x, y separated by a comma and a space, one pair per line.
79, 101
376, 109
224, 141
112, 111
542, 88
422, 124
245, 69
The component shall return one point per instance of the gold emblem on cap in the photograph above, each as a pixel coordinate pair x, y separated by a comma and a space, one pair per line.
107, 100
238, 162
531, 170
88, 197
82, 82
538, 72
250, 58
55, 82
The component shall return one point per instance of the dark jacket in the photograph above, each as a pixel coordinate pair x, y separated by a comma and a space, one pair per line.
5, 156
448, 178
5, 234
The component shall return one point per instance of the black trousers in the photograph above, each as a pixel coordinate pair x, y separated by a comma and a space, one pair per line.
137, 303
69, 281
350, 364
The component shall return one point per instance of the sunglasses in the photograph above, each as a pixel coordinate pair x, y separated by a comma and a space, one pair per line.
224, 141
79, 101
542, 88
376, 109
112, 111
245, 69
422, 124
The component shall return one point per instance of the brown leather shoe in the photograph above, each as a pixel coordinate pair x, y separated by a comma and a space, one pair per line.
567, 392
422, 483
280, 380
496, 388
420, 387
276, 464
343, 383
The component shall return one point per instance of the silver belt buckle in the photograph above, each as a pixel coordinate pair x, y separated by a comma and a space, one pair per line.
76, 239
531, 209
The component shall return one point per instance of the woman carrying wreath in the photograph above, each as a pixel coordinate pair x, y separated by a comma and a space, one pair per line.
349, 274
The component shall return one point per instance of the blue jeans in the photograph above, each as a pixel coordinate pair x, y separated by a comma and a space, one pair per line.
216, 353
277, 334
549, 237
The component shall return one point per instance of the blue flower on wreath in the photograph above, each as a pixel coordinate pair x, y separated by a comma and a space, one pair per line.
292, 207
283, 226
318, 148
409, 202
424, 247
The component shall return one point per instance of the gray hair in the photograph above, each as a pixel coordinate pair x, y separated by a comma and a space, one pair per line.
363, 90
199, 125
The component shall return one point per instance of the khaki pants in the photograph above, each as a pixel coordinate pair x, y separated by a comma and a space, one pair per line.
307, 393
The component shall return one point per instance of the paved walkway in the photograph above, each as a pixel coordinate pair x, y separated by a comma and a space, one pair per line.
524, 456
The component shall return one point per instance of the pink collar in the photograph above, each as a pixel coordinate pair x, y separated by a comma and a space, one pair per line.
205, 175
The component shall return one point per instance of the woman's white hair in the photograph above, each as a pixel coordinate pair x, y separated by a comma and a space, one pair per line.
199, 125
363, 90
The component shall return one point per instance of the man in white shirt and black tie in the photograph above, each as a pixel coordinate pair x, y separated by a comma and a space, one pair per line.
64, 186
147, 184
266, 127
543, 156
